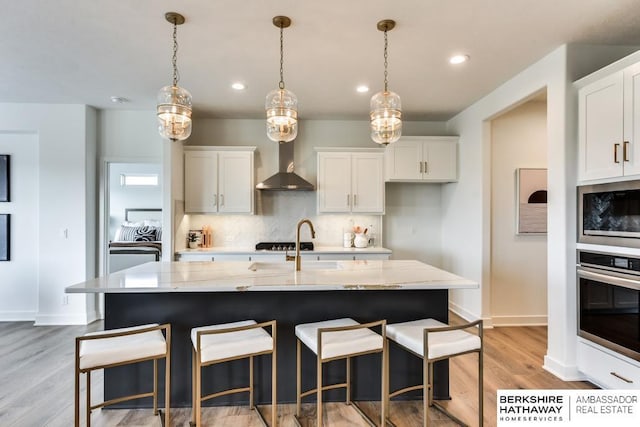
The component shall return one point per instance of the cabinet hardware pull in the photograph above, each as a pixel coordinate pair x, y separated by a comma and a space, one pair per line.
348, 200
625, 151
215, 199
615, 153
621, 378
355, 201
425, 168
222, 200
420, 166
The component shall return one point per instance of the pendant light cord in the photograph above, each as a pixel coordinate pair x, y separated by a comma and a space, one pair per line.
281, 84
386, 74
174, 59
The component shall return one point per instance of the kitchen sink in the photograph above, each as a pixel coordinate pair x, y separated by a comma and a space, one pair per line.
290, 266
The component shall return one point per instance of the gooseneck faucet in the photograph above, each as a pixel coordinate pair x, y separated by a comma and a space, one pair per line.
313, 236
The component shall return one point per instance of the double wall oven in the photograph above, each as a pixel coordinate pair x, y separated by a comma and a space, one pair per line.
609, 275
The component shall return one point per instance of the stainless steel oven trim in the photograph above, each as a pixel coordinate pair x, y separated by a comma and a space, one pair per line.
610, 278
615, 279
624, 239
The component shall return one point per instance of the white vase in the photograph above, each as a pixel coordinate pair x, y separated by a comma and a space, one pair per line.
360, 241
193, 245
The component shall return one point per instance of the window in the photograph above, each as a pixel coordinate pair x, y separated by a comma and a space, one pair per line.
138, 179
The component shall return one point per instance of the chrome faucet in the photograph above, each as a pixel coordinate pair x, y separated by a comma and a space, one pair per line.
313, 236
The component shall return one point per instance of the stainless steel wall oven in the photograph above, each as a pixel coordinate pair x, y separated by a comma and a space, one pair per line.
609, 301
609, 214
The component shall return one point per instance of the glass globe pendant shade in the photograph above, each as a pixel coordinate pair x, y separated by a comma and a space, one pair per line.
386, 117
281, 106
174, 113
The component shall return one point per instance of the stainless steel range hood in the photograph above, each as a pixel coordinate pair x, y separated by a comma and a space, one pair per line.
286, 179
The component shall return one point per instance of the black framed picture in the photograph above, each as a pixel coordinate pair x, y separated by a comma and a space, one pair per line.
4, 177
5, 241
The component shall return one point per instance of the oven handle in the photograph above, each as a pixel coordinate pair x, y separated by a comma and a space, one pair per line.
610, 278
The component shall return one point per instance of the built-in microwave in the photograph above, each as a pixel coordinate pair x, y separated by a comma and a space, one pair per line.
609, 214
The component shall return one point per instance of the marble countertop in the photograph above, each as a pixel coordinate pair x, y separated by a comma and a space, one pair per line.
240, 276
252, 251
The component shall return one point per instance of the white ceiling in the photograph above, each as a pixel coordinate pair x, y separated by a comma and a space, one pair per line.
78, 51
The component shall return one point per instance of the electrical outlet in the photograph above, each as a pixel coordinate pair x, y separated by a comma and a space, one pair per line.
65, 299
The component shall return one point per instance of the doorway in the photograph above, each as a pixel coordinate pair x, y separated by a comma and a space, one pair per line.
518, 256
129, 186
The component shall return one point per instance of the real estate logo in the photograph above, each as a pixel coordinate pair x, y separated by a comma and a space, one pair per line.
582, 408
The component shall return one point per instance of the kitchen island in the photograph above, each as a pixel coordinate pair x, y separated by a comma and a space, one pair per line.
202, 293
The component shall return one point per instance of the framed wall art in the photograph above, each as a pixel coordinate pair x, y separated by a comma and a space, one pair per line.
531, 201
5, 238
4, 178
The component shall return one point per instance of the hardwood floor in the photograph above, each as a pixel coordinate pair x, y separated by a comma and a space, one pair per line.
36, 374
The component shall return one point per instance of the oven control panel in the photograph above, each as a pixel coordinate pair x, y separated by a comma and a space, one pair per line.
624, 263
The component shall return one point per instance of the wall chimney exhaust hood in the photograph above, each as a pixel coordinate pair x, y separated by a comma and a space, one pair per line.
286, 179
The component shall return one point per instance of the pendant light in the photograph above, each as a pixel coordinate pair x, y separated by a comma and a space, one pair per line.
281, 104
174, 102
386, 123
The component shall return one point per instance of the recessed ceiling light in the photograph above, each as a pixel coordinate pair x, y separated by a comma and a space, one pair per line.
238, 86
362, 89
119, 100
458, 59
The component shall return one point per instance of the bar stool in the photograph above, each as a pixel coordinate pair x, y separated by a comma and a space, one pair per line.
232, 341
432, 340
333, 340
116, 347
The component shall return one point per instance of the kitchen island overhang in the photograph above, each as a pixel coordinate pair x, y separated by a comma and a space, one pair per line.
194, 294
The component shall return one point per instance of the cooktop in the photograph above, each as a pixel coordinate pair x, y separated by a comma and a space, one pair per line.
283, 246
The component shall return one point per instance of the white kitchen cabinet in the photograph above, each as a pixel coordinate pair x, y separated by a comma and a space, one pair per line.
608, 126
280, 256
422, 159
351, 181
218, 181
607, 369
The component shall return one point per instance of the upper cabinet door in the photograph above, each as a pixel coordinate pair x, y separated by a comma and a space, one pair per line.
367, 182
440, 160
334, 182
201, 181
600, 129
422, 159
404, 160
235, 182
632, 119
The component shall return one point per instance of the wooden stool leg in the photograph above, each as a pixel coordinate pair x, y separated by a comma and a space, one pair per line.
198, 391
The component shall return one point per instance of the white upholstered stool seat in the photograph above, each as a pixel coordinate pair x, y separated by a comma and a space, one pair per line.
441, 344
116, 347
339, 343
437, 341
225, 342
338, 339
221, 346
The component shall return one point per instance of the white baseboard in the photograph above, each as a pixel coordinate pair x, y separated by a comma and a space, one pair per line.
66, 319
17, 316
562, 371
468, 316
528, 320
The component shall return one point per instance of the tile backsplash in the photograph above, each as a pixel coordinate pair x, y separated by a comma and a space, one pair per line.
277, 214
